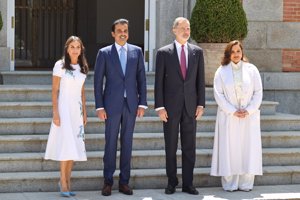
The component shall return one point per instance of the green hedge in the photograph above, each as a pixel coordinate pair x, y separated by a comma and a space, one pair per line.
218, 21
1, 23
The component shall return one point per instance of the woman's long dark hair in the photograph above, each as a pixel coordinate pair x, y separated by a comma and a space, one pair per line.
227, 53
84, 68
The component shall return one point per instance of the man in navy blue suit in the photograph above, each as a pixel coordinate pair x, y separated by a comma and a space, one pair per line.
119, 102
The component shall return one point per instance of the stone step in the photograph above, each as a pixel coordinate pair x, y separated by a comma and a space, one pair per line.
141, 159
45, 77
25, 93
141, 141
140, 179
44, 109
277, 122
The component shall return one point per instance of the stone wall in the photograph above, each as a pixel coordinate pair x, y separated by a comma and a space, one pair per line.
3, 9
6, 36
284, 88
291, 57
273, 39
4, 51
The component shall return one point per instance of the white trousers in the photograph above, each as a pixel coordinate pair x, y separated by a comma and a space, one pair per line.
235, 182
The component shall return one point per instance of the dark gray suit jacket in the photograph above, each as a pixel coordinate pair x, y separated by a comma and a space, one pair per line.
171, 90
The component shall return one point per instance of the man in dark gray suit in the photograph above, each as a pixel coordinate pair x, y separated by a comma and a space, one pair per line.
180, 101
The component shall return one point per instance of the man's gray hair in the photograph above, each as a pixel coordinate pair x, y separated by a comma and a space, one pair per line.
178, 20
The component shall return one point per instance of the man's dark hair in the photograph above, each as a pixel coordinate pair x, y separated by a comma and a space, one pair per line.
119, 21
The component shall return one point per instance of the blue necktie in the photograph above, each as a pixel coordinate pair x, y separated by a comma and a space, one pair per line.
123, 59
123, 63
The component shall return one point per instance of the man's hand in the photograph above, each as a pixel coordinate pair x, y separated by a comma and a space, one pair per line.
199, 112
163, 115
102, 114
140, 112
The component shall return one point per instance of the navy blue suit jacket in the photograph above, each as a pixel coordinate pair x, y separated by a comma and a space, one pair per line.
108, 66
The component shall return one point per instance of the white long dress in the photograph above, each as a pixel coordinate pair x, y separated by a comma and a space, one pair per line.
66, 142
237, 143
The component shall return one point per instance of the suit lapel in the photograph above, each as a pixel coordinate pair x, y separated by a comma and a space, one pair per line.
173, 52
116, 60
130, 53
191, 55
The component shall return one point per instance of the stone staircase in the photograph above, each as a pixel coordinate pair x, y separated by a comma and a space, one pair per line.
25, 116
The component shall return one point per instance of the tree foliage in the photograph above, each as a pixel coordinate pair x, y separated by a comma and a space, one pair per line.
218, 21
1, 22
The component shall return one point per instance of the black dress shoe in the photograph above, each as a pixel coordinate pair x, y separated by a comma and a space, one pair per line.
245, 190
125, 189
170, 189
190, 190
106, 190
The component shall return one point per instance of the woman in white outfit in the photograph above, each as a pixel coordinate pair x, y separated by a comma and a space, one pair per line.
66, 137
237, 151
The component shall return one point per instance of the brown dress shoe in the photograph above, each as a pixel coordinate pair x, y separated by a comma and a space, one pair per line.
125, 189
106, 190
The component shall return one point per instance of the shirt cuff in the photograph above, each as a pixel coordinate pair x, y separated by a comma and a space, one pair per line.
99, 109
142, 106
160, 108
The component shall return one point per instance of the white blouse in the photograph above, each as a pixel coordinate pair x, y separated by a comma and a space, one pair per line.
238, 81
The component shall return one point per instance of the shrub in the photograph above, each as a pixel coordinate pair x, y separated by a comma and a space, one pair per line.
1, 23
218, 21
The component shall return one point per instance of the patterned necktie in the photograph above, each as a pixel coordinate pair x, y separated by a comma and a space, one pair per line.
183, 62
123, 59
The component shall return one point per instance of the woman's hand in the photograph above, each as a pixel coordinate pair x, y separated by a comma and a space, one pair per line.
241, 113
56, 119
84, 118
